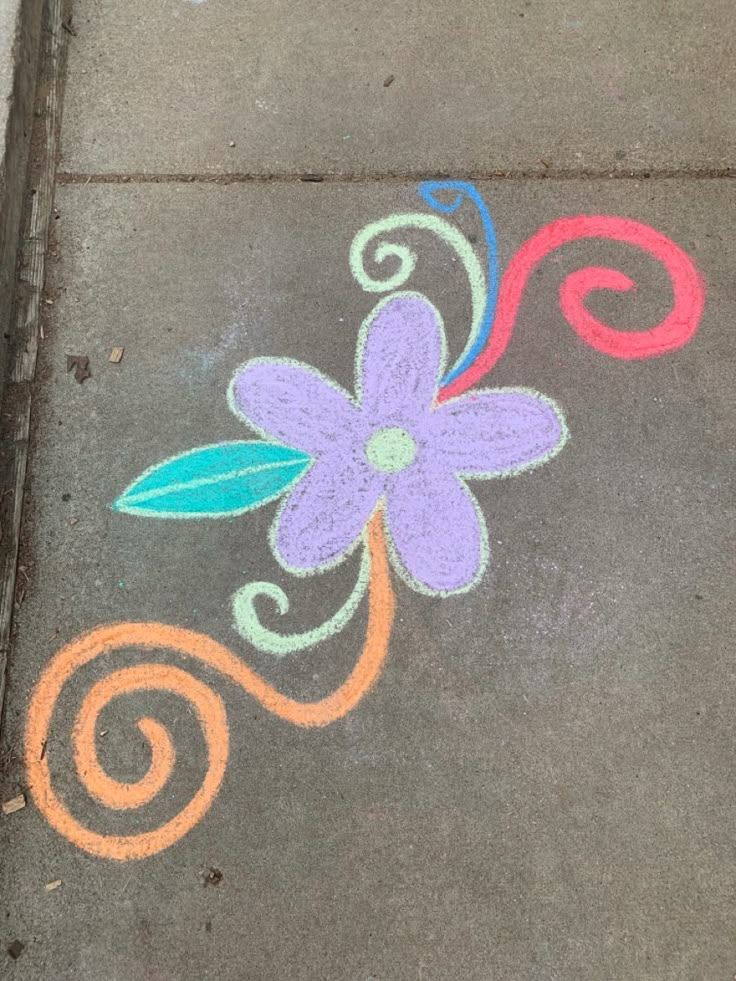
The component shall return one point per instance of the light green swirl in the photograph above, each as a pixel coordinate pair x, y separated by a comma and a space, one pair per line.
408, 260
262, 638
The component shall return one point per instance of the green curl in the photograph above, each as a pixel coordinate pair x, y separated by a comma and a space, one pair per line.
249, 626
407, 259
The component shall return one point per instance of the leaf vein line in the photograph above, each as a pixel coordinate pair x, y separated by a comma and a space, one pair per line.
195, 482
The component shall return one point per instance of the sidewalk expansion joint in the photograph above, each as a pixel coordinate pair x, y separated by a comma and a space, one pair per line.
397, 177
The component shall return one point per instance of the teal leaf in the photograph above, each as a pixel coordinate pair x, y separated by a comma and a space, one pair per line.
214, 481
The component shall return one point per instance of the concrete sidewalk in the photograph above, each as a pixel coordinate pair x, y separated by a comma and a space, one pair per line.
538, 785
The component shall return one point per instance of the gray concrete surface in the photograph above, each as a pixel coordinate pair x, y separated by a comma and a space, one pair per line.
532, 85
8, 18
541, 785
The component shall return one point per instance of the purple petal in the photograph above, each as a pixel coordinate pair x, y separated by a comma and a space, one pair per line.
293, 403
326, 512
436, 529
400, 360
489, 432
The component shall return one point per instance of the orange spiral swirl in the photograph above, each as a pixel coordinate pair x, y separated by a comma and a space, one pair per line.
207, 705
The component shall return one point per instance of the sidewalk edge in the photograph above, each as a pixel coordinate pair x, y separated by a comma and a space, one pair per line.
14, 153
26, 197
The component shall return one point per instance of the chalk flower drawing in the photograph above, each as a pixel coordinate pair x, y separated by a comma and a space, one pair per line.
392, 448
385, 470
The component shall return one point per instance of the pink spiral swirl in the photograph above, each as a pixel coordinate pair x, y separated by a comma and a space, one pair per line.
673, 332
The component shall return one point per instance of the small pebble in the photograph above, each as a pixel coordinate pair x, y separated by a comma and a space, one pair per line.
16, 949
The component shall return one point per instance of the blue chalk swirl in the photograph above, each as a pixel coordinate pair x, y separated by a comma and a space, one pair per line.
427, 191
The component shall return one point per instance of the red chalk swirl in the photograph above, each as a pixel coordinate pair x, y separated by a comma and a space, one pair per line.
673, 332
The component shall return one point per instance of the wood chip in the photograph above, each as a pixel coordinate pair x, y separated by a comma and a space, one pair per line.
116, 355
16, 804
50, 886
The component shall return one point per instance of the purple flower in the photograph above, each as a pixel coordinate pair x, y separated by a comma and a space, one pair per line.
392, 445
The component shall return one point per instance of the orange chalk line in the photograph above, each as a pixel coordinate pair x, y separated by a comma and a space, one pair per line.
207, 705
